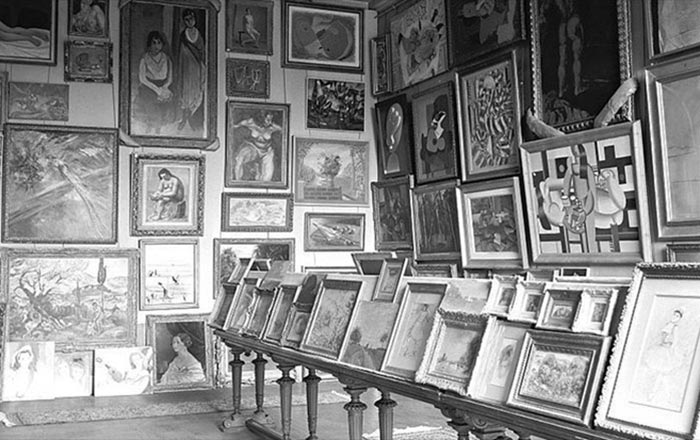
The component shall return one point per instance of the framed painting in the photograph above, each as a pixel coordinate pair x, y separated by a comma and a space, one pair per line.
490, 118
183, 350
418, 42
476, 27
73, 168
560, 305
540, 274
434, 211
88, 18
222, 306
329, 269
435, 134
435, 270
262, 303
173, 104
322, 37
493, 227
335, 105
465, 295
282, 306
28, 371
672, 28
683, 252
295, 326
247, 78
88, 60
222, 357
527, 301
595, 311
123, 371
573, 77
249, 26
242, 306
368, 335
32, 31
231, 253
389, 279
256, 212
569, 395
169, 273
332, 172
369, 263
257, 148
73, 373
391, 200
394, 137
380, 64
501, 295
572, 272
602, 172
100, 285
167, 194
42, 101
334, 232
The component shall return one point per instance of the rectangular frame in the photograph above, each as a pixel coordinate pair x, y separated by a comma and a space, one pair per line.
501, 295
174, 278
281, 309
679, 15
88, 61
389, 279
675, 251
391, 203
559, 306
256, 212
91, 22
435, 270
43, 27
380, 64
241, 308
257, 320
435, 213
368, 334
323, 111
369, 263
33, 100
595, 311
249, 26
247, 78
222, 306
325, 232
393, 137
527, 302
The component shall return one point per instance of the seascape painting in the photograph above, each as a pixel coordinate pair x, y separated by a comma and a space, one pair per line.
335, 105
42, 101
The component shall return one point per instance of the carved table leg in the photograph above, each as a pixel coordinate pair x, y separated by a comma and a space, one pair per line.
312, 381
465, 425
355, 408
386, 416
524, 435
285, 382
236, 366
260, 415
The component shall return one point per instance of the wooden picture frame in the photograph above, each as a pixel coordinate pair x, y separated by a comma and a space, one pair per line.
595, 311
242, 309
393, 270
683, 252
169, 273
222, 306
435, 210
291, 285
673, 28
369, 263
47, 101
559, 306
393, 227
501, 295
368, 334
80, 175
40, 20
90, 20
435, 270
394, 137
247, 78
256, 212
325, 232
262, 304
88, 61
183, 113
527, 302
323, 114
380, 64
249, 26
167, 194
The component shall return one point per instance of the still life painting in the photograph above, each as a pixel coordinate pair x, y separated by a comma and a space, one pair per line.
335, 105
368, 336
169, 273
88, 61
44, 101
123, 371
334, 232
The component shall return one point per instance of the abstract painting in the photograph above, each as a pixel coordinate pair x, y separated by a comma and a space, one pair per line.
334, 232
247, 78
249, 26
123, 371
43, 101
169, 273
394, 137
250, 212
335, 105
32, 31
435, 223
391, 200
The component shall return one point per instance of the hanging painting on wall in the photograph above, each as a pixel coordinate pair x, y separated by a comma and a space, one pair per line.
28, 371
380, 59
247, 78
435, 222
674, 27
335, 105
391, 200
169, 274
249, 26
334, 232
31, 31
88, 61
123, 371
394, 137
88, 18
256, 212
44, 101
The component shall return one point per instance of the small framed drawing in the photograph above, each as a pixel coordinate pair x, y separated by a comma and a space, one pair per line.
123, 371
683, 252
493, 227
88, 18
167, 194
322, 37
88, 61
183, 347
389, 279
559, 306
501, 295
490, 118
242, 306
249, 26
452, 350
370, 263
569, 396
247, 78
222, 306
435, 213
394, 137
391, 200
435, 134
674, 28
169, 273
595, 311
612, 157
527, 301
410, 335
435, 270
330, 317
334, 232
368, 335
27, 100
652, 385
380, 60
323, 111
33, 32
256, 212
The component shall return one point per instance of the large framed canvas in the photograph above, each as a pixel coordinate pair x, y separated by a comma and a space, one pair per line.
580, 54
673, 27
477, 27
368, 335
256, 212
435, 134
434, 211
80, 298
59, 184
257, 145
652, 385
229, 253
123, 371
331, 171
32, 31
167, 76
605, 218
73, 373
492, 224
87, 60
88, 18
28, 371
167, 194
683, 252
394, 137
322, 37
490, 118
380, 60
247, 78
183, 350
418, 42
249, 26
335, 105
169, 273
391, 200
334, 232
29, 100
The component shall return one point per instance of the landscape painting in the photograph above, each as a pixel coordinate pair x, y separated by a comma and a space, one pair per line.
42, 101
335, 105
250, 212
368, 337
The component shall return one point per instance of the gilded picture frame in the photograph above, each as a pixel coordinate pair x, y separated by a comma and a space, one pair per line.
256, 212
169, 273
380, 62
90, 20
527, 302
560, 305
88, 60
501, 295
595, 311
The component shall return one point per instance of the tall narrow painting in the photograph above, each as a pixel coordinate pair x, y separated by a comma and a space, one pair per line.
394, 137
391, 200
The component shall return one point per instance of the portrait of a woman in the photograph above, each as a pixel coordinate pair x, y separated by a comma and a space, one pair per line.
184, 367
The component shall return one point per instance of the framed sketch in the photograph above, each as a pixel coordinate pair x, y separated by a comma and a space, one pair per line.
88, 18
559, 306
683, 252
394, 137
33, 31
222, 306
123, 371
222, 357
501, 295
169, 273
380, 62
527, 301
389, 279
569, 88
335, 105
230, 253
368, 335
322, 37
435, 134
391, 200
251, 212
490, 117
418, 42
595, 311
435, 270
175, 45
100, 284
651, 386
369, 263
331, 171
257, 148
247, 78
42, 101
88, 60
605, 220
79, 178
434, 210
570, 395
183, 349
673, 28
73, 373
334, 232
476, 28
249, 26
28, 371
167, 194
493, 227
